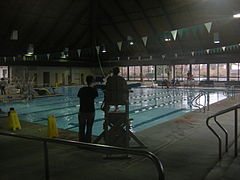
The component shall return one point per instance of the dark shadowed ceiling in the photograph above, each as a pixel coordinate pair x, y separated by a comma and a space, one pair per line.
53, 25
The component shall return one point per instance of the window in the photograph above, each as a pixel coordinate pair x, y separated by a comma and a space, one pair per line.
196, 72
162, 72
202, 72
218, 72
148, 73
134, 73
181, 72
222, 72
234, 71
3, 72
124, 72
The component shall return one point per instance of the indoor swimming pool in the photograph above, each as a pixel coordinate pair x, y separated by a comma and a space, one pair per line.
148, 106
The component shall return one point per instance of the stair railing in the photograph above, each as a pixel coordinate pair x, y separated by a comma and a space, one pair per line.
235, 109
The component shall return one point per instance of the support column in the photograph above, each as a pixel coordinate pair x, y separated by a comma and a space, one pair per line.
208, 72
141, 75
228, 72
173, 66
190, 68
128, 73
155, 73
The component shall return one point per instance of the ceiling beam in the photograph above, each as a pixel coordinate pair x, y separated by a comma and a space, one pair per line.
94, 4
61, 41
33, 28
106, 36
112, 23
192, 20
82, 36
55, 24
153, 29
170, 22
131, 24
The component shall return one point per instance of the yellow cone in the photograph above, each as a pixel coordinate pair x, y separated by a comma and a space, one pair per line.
52, 126
14, 122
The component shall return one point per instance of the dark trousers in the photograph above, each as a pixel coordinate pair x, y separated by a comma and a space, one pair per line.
2, 90
85, 126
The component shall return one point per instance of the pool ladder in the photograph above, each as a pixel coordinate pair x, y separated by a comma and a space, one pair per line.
230, 92
195, 102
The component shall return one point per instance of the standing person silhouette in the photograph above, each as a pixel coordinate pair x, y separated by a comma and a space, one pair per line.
3, 85
86, 114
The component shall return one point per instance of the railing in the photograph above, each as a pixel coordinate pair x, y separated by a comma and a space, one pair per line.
230, 89
88, 146
196, 100
235, 109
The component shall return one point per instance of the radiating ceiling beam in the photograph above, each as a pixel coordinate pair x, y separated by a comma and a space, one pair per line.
131, 24
169, 21
33, 28
112, 23
106, 36
80, 38
192, 20
55, 24
93, 26
61, 41
153, 29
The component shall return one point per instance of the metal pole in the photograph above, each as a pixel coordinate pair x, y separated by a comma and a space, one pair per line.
219, 143
208, 101
46, 160
236, 132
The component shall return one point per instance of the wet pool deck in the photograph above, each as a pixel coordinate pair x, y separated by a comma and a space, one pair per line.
186, 147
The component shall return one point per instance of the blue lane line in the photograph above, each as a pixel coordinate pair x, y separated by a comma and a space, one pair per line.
158, 117
47, 110
73, 99
130, 112
76, 100
74, 125
71, 106
43, 119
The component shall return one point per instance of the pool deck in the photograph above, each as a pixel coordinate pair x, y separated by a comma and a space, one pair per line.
185, 146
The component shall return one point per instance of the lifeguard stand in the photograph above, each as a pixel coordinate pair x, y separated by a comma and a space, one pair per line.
117, 123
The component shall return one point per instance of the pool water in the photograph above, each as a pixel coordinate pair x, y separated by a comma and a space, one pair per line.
148, 107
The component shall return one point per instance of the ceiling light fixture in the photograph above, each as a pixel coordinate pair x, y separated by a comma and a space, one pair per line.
130, 39
236, 15
104, 50
216, 38
167, 39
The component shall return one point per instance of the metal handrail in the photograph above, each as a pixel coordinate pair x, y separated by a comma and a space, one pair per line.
206, 101
195, 99
94, 147
233, 108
